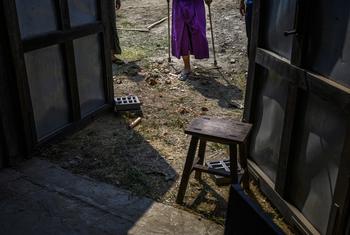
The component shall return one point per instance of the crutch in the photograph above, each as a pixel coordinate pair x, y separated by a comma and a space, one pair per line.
212, 34
169, 53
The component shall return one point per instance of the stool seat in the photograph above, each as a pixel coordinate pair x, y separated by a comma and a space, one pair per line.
219, 130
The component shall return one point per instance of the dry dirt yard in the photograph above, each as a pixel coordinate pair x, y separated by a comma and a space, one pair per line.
148, 160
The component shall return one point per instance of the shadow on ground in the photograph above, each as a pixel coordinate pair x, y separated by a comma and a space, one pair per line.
130, 70
107, 150
208, 195
206, 81
40, 197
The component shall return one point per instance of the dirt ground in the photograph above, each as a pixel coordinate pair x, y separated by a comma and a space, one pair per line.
148, 160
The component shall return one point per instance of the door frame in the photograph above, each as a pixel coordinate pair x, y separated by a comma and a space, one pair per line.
299, 79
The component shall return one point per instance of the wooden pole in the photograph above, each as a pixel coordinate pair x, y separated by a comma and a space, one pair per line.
169, 52
212, 35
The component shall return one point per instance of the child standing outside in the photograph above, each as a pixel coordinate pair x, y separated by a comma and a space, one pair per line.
189, 32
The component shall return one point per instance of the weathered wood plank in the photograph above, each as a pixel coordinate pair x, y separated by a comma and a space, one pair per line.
219, 130
3, 155
291, 214
58, 37
205, 169
233, 164
250, 88
282, 67
20, 74
201, 156
329, 90
284, 153
302, 15
187, 169
11, 136
106, 57
341, 199
69, 56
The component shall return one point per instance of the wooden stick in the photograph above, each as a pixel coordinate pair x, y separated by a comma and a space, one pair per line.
169, 49
212, 35
157, 23
135, 123
134, 29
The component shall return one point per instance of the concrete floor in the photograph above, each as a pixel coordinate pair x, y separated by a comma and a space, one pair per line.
41, 198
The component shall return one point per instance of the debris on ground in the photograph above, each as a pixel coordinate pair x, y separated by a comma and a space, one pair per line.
236, 105
151, 81
135, 123
157, 23
183, 110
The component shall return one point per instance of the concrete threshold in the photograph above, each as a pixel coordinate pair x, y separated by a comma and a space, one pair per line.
42, 198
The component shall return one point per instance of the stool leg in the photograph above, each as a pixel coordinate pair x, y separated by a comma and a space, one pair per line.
233, 163
187, 170
244, 164
201, 155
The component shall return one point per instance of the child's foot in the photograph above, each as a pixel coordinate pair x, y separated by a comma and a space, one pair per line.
184, 75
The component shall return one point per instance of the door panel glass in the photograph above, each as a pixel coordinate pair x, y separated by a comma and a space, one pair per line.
269, 113
36, 17
48, 89
329, 40
317, 150
88, 59
82, 12
278, 17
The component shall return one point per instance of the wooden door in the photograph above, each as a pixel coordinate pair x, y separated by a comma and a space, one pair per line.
298, 98
61, 53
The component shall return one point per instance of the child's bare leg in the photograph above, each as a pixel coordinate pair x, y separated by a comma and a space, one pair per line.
187, 68
187, 63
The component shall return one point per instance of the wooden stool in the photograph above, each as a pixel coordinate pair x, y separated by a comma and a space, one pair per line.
224, 131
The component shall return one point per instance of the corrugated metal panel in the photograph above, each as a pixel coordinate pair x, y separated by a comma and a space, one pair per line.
269, 112
82, 12
329, 40
278, 17
318, 148
36, 17
89, 71
48, 89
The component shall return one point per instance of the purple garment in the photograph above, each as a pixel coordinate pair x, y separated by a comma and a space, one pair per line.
189, 29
